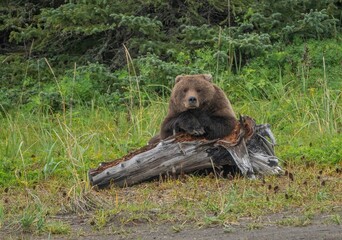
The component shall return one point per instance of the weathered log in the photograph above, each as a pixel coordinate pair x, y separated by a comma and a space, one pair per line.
247, 148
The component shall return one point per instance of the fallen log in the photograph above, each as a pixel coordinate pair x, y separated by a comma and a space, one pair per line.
250, 148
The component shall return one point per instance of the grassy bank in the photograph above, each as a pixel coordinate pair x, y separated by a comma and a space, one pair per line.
46, 149
45, 158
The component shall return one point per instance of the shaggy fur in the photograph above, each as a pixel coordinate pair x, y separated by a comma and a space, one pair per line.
198, 107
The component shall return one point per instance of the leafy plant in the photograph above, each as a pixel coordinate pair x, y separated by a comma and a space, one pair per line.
317, 23
2, 215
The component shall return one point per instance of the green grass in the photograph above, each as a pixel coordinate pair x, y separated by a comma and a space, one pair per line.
51, 153
295, 221
336, 219
45, 158
57, 227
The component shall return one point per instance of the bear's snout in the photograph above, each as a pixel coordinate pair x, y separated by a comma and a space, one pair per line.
192, 102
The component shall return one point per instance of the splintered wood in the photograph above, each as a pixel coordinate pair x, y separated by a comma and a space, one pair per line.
250, 148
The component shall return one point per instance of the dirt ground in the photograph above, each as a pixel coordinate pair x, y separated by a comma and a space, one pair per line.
318, 227
269, 232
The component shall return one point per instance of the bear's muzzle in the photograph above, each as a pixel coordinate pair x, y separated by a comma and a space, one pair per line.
192, 102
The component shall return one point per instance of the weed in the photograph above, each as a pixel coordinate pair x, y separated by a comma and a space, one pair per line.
295, 221
322, 195
336, 219
100, 219
209, 220
2, 215
229, 229
51, 165
27, 220
254, 226
177, 228
57, 227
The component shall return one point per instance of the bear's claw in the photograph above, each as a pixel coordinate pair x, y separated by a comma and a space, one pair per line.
197, 132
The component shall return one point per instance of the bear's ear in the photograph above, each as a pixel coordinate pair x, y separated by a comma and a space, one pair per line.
208, 77
178, 78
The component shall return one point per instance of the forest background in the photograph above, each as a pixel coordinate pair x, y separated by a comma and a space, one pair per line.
83, 81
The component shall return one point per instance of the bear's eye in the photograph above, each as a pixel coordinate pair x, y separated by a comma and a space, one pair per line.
198, 90
185, 90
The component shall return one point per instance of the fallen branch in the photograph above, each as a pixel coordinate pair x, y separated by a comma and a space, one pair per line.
250, 148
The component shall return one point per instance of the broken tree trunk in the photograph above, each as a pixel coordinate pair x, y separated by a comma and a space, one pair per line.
250, 148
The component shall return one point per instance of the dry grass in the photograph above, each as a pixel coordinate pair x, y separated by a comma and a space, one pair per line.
45, 158
198, 200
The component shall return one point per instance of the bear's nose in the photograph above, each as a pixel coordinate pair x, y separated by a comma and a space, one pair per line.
192, 100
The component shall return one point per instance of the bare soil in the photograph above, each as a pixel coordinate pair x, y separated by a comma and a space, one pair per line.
266, 227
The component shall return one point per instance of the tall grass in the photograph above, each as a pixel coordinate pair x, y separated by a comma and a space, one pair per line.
76, 139
54, 150
46, 146
65, 145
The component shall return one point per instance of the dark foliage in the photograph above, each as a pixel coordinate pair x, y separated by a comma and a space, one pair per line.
40, 40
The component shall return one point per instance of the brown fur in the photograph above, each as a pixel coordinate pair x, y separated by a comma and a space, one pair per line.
198, 107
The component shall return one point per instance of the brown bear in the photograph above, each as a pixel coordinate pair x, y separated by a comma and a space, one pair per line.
198, 107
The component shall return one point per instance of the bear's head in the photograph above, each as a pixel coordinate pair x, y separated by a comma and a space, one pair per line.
192, 91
